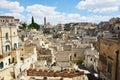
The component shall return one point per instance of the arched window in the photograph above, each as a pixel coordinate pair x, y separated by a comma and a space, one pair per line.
15, 46
1, 65
6, 35
7, 48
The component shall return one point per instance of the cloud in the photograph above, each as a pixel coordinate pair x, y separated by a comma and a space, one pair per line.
53, 16
100, 6
11, 6
42, 10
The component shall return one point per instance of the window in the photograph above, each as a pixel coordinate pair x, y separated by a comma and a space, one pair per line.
1, 65
9, 60
15, 46
94, 60
6, 35
7, 48
13, 60
14, 33
90, 59
75, 55
70, 58
118, 28
110, 68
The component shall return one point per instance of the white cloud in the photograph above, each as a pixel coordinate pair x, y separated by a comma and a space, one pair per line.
101, 6
42, 10
12, 6
54, 17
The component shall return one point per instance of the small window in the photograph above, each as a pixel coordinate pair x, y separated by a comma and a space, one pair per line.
90, 59
118, 28
70, 58
6, 35
7, 48
1, 65
75, 55
94, 60
14, 33
15, 46
13, 60
110, 68
9, 61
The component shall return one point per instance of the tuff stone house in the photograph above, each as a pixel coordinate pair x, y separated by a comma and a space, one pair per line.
109, 62
63, 59
91, 58
9, 42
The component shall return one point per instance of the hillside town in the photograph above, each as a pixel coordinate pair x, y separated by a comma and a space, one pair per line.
70, 51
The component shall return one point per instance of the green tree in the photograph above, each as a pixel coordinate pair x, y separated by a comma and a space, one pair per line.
34, 25
23, 26
79, 62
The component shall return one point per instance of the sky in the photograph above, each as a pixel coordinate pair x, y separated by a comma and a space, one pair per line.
61, 11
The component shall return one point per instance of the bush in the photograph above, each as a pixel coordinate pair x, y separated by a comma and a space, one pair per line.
79, 62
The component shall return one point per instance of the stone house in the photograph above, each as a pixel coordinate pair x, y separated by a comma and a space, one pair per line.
77, 54
91, 58
63, 59
109, 62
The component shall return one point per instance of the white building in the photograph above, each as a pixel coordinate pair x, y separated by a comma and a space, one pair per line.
91, 58
9, 43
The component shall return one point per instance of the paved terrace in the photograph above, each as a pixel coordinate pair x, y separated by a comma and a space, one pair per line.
55, 75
